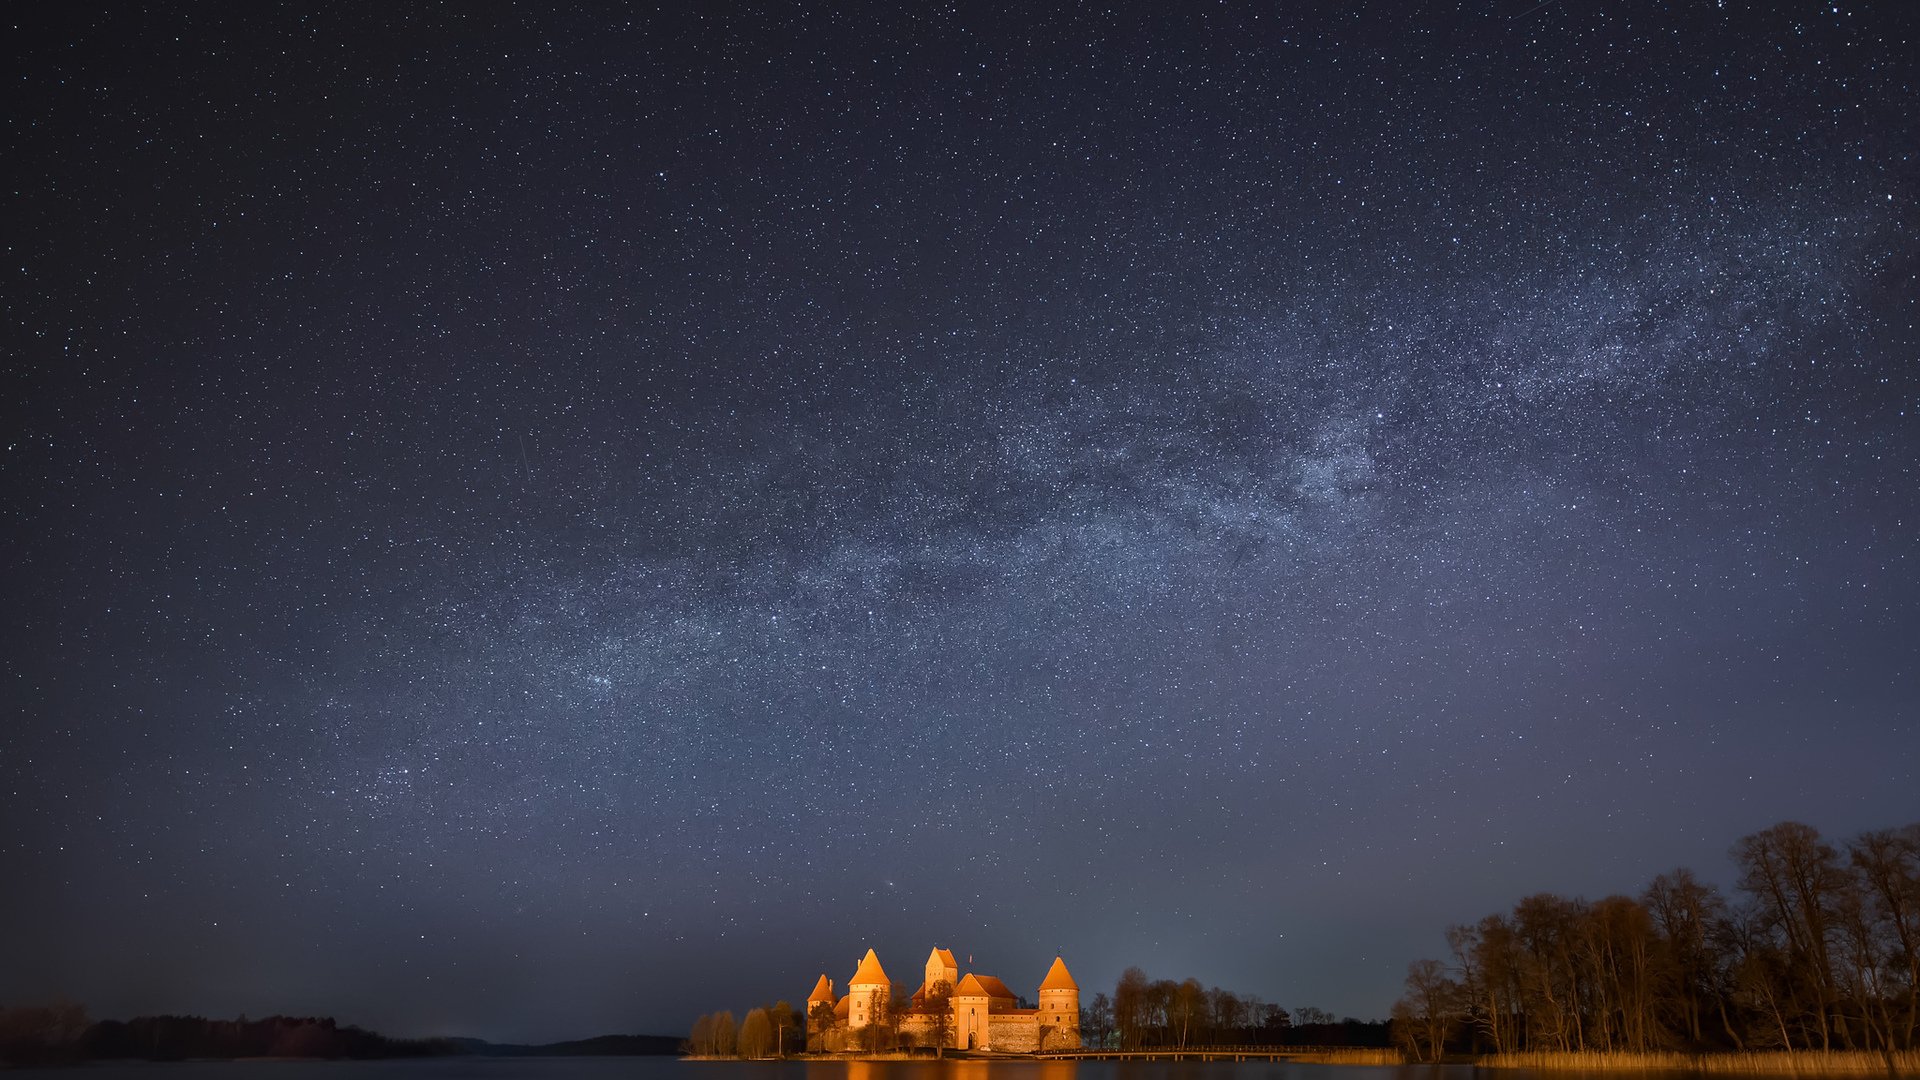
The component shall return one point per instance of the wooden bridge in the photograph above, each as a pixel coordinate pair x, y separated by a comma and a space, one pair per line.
1195, 1053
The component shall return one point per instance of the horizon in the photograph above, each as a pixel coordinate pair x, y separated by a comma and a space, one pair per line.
528, 523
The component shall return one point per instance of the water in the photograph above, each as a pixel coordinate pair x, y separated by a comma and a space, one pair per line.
667, 1068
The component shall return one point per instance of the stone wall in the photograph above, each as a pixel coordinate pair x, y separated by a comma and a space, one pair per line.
1061, 1036
1017, 1034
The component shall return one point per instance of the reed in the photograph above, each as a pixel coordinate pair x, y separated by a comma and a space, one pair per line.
1353, 1056
1790, 1062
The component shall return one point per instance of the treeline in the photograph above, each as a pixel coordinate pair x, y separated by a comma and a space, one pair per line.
769, 1031
1144, 1013
1818, 948
60, 1033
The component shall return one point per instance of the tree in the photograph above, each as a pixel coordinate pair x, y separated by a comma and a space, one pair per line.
1097, 1020
882, 1032
1185, 1005
1794, 877
725, 1035
1226, 1016
820, 1021
937, 1010
700, 1039
784, 1019
1275, 1023
756, 1035
1425, 1014
1887, 864
39, 1034
1684, 911
1130, 1008
1816, 951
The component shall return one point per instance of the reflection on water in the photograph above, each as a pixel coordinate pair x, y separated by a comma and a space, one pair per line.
674, 1069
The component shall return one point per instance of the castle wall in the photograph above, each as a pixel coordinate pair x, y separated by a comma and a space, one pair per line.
1060, 1036
1016, 1034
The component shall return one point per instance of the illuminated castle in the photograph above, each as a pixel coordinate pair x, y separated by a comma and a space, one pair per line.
977, 1012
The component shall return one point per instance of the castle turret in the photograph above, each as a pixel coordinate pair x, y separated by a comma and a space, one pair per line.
941, 971
868, 987
819, 1013
1060, 1007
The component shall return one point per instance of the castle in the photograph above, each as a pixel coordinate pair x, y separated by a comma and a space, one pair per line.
977, 1012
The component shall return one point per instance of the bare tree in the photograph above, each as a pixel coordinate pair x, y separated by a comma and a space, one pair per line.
1097, 1019
1794, 877
1684, 911
937, 1015
1888, 866
1187, 1002
756, 1035
783, 1018
882, 1032
700, 1039
1427, 1011
1130, 1008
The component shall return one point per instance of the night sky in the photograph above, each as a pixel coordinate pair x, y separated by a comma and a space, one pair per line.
530, 526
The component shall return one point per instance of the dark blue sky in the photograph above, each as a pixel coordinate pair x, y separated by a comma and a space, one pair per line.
533, 525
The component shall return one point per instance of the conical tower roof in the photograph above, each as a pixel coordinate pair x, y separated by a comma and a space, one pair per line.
822, 991
1057, 977
870, 973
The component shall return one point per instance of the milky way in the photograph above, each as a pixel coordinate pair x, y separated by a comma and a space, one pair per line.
539, 526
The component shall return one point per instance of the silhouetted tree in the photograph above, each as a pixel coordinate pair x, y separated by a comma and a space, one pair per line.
937, 1010
1130, 1007
1818, 952
40, 1034
1793, 876
1426, 1013
1684, 911
1184, 1006
820, 1021
784, 1020
1887, 864
1096, 1020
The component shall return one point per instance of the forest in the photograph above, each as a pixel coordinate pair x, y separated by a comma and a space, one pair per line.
1817, 948
61, 1033
767, 1031
1148, 1013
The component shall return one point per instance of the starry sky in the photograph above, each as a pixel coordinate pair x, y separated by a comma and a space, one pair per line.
532, 525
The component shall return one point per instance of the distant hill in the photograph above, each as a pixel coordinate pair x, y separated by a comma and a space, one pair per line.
598, 1046
59, 1034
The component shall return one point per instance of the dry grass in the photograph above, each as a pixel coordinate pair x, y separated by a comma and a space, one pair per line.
1790, 1062
1353, 1057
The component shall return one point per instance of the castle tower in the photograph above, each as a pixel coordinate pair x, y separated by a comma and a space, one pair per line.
972, 1003
941, 969
868, 986
819, 1014
1060, 1007
822, 995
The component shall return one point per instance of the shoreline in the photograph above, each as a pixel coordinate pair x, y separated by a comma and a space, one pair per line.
1767, 1062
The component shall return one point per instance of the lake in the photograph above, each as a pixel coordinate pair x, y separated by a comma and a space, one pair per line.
666, 1068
